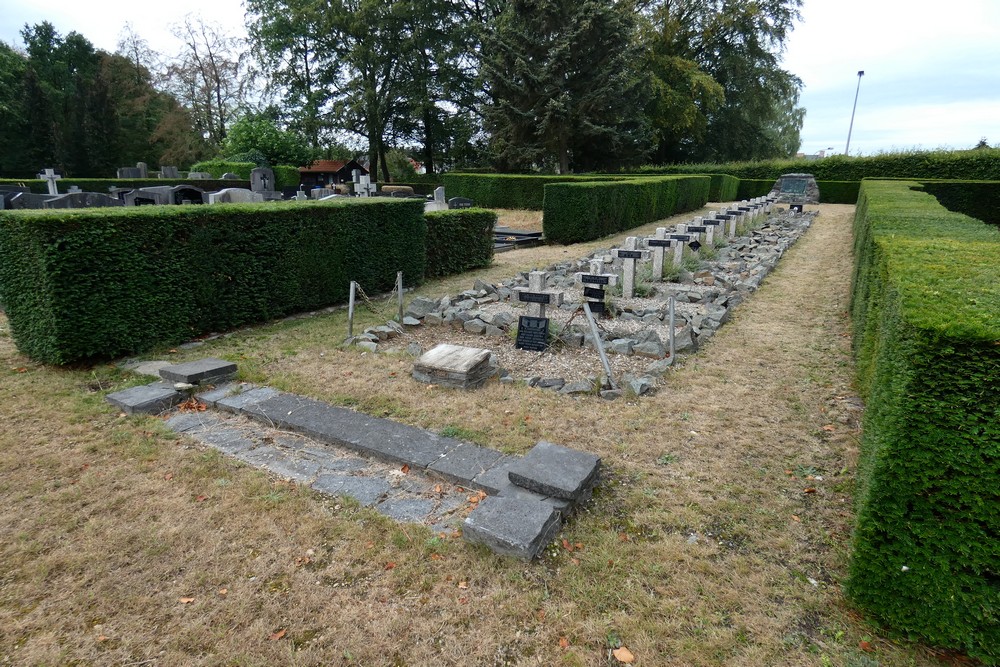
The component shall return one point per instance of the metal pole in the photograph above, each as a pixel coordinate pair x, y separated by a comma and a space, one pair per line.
847, 151
597, 344
350, 312
399, 292
671, 302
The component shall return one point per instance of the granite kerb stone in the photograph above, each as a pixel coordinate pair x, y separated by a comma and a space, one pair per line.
554, 470
512, 526
149, 399
197, 372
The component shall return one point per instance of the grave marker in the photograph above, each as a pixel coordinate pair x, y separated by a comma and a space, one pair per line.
51, 177
629, 256
532, 333
659, 243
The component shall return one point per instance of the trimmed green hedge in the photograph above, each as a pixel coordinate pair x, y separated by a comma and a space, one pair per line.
972, 165
980, 200
108, 282
285, 176
459, 240
926, 309
510, 190
576, 212
751, 188
830, 192
724, 188
103, 184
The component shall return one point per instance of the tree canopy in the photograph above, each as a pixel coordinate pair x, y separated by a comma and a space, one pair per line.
543, 85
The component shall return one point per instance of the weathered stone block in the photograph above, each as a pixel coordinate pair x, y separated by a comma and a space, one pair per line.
148, 399
554, 470
512, 526
197, 372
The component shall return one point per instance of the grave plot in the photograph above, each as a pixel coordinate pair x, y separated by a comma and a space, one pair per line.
708, 270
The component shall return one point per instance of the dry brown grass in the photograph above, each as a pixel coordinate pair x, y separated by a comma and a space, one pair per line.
111, 523
528, 221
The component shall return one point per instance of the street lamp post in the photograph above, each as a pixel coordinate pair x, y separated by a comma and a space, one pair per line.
847, 151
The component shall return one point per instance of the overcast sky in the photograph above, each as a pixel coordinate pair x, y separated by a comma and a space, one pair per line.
932, 69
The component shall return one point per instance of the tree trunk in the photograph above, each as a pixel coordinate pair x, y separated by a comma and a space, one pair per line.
385, 165
428, 140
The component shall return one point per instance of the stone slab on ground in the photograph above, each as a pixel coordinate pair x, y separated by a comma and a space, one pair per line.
150, 368
192, 422
454, 366
411, 510
496, 481
512, 526
197, 372
372, 436
464, 463
237, 402
365, 490
554, 470
147, 399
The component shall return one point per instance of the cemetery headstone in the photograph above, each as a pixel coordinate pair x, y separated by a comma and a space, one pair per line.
199, 175
82, 200
129, 173
534, 327
234, 196
22, 200
796, 188
230, 176
438, 203
629, 256
187, 194
159, 195
143, 169
301, 195
364, 186
459, 202
658, 244
262, 179
50, 176
169, 172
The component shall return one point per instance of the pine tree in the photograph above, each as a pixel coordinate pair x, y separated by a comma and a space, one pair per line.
563, 85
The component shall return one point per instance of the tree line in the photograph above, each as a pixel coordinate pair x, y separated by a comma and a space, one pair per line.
521, 85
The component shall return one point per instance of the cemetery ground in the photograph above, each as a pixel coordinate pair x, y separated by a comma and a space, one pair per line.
719, 534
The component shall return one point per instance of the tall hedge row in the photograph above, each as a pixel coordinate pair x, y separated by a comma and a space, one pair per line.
510, 190
459, 240
964, 165
926, 309
576, 212
830, 192
724, 188
105, 184
89, 283
979, 200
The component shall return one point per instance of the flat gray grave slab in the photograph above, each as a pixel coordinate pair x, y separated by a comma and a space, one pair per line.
202, 370
148, 399
192, 422
465, 463
150, 368
236, 402
412, 510
366, 490
554, 470
512, 526
228, 440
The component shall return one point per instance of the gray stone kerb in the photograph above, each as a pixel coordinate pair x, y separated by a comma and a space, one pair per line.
533, 494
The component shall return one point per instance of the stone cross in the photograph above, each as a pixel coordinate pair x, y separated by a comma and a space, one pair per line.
536, 296
364, 186
51, 176
711, 223
629, 256
696, 229
682, 237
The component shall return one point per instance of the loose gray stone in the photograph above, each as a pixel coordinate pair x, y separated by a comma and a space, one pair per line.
641, 386
433, 318
191, 422
512, 526
621, 346
659, 368
368, 346
581, 387
495, 332
611, 394
550, 383
149, 399
475, 326
420, 306
414, 349
651, 349
554, 470
684, 340
196, 372
411, 321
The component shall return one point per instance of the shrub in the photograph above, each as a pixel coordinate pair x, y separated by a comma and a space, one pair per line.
724, 188
459, 240
838, 192
85, 283
576, 212
979, 200
284, 176
926, 309
751, 188
510, 190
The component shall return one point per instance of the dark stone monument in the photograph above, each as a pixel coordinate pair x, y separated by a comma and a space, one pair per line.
795, 189
81, 200
459, 202
532, 333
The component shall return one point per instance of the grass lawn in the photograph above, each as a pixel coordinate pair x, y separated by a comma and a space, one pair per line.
718, 537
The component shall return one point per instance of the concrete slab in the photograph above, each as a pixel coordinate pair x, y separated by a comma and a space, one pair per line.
512, 526
192, 422
238, 403
554, 470
464, 463
227, 440
213, 396
366, 490
412, 510
197, 372
149, 399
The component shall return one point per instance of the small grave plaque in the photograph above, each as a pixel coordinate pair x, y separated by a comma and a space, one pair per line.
723, 216
745, 209
713, 223
590, 279
659, 243
532, 333
593, 293
695, 246
630, 254
534, 297
697, 229
596, 307
680, 237
795, 207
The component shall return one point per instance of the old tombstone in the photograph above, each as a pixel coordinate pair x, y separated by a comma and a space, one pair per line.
8, 192
234, 196
199, 175
187, 194
130, 173
459, 202
657, 245
301, 195
169, 172
50, 176
454, 366
533, 328
320, 193
364, 186
438, 203
262, 179
629, 256
230, 176
594, 283
82, 200
158, 195
23, 200
143, 169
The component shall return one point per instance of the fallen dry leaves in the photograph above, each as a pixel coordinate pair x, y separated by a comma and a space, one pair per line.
185, 600
275, 636
623, 655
